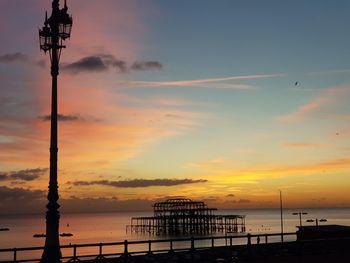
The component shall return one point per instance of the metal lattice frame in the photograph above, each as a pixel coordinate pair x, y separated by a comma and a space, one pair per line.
184, 216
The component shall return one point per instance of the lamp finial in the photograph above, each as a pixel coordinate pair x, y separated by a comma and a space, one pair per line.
46, 21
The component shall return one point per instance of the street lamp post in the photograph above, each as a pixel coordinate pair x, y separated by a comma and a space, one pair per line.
56, 29
300, 214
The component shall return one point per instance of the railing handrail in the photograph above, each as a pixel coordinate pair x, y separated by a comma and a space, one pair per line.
134, 242
154, 250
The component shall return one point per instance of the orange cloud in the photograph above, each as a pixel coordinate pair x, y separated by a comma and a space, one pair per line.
328, 165
326, 102
104, 130
117, 31
312, 106
214, 164
302, 145
226, 169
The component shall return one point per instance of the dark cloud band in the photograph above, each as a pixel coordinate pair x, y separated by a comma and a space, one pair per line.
23, 175
105, 62
62, 117
9, 194
139, 182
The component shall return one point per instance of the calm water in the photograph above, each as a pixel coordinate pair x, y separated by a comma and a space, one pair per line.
110, 227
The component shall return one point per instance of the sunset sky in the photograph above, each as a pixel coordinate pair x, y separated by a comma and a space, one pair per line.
223, 101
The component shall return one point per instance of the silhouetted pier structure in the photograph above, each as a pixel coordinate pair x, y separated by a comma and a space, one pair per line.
182, 216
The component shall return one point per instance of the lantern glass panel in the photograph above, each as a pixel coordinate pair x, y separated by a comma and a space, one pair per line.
65, 26
45, 39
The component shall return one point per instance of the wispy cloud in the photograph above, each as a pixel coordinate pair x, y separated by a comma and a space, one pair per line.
207, 82
302, 145
17, 57
146, 65
326, 102
139, 182
20, 58
124, 132
62, 117
218, 163
329, 72
242, 201
246, 174
327, 165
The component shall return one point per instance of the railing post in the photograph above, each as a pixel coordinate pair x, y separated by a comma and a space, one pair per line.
126, 253
149, 247
249, 244
192, 244
171, 247
230, 241
15, 254
266, 238
212, 242
74, 252
249, 239
100, 256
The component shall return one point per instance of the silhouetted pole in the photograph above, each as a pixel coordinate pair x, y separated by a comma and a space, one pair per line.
281, 208
56, 29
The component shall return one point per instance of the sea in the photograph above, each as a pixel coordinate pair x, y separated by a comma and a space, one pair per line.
111, 227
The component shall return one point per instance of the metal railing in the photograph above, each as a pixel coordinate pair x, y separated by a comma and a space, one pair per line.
75, 252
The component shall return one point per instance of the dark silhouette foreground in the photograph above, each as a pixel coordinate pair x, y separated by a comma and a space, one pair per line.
314, 251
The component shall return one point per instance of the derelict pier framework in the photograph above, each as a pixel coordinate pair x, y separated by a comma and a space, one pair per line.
184, 216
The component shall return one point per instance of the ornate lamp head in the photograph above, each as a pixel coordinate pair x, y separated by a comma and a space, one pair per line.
65, 23
45, 36
65, 26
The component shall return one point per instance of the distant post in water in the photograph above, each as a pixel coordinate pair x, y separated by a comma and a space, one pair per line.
56, 29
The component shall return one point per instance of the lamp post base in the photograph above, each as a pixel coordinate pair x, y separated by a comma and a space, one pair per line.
52, 251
